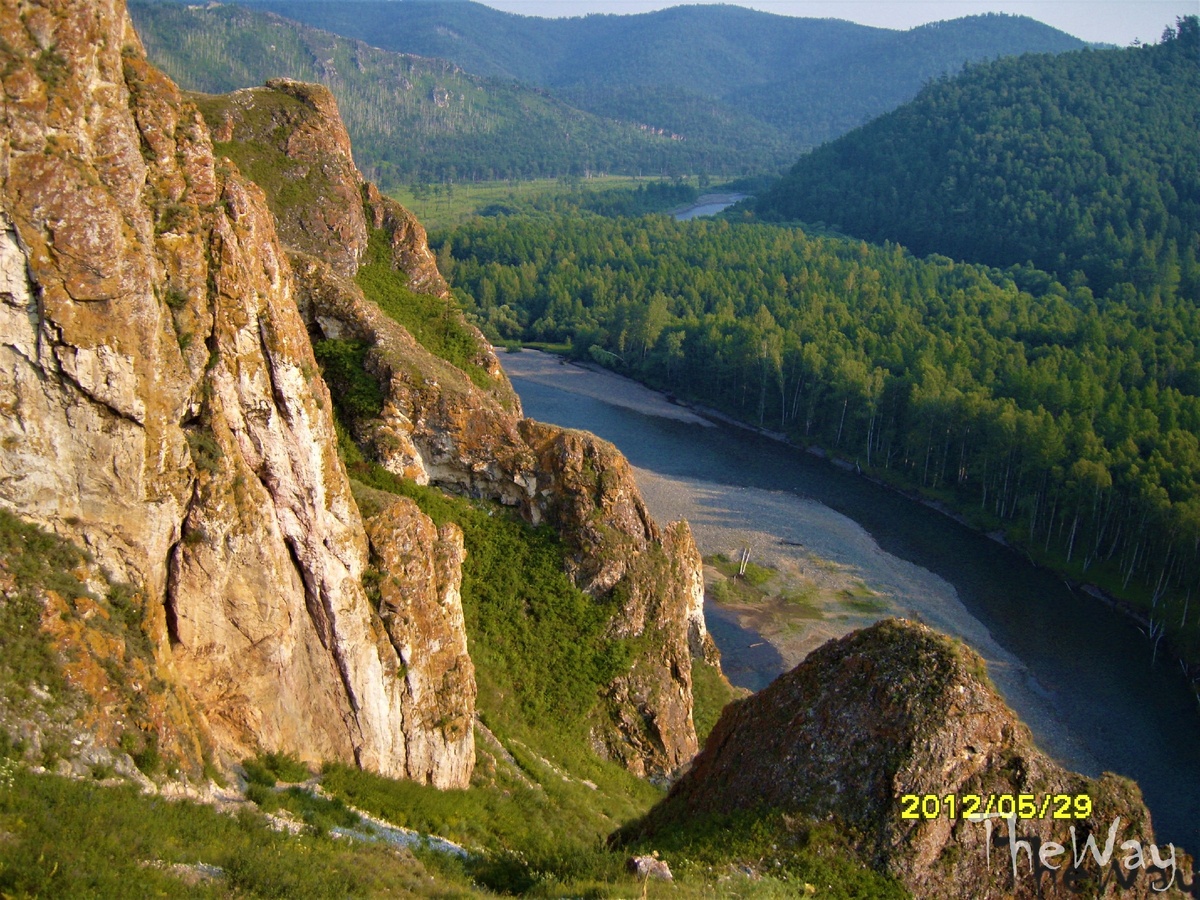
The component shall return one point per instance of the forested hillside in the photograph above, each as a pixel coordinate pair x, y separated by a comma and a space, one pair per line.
1083, 162
1029, 405
411, 118
714, 74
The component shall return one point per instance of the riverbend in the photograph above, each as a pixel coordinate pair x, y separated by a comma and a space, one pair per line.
1079, 674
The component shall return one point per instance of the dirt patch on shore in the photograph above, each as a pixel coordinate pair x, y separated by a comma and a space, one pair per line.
803, 603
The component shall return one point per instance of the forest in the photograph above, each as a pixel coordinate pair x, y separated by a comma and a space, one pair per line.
1082, 163
1049, 388
1069, 421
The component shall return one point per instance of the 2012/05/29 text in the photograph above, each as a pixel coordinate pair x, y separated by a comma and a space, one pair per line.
970, 806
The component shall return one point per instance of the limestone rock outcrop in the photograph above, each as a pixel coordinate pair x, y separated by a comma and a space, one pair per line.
896, 710
439, 426
302, 143
418, 568
162, 407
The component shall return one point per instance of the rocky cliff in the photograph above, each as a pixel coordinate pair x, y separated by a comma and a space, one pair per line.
898, 710
162, 408
438, 425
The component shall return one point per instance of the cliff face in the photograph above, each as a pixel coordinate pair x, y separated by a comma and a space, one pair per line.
303, 151
439, 426
162, 408
420, 573
896, 709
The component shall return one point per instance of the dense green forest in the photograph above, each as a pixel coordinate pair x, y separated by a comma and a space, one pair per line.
721, 76
415, 119
1080, 163
1070, 421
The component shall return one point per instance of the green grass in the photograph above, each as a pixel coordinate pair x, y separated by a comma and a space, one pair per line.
343, 366
546, 347
37, 561
444, 206
735, 588
539, 643
435, 322
286, 182
803, 602
64, 838
37, 558
789, 855
269, 769
710, 694
321, 814
755, 575
862, 599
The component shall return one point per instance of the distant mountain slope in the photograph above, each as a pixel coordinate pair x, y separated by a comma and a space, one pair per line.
412, 117
1081, 161
805, 80
889, 72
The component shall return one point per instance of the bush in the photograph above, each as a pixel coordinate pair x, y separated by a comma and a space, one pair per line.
343, 366
270, 768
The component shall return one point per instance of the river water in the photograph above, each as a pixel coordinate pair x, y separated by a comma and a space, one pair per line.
1077, 673
708, 205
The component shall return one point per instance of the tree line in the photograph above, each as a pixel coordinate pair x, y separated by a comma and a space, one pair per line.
1082, 163
1068, 419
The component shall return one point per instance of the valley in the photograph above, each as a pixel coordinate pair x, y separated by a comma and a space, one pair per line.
313, 583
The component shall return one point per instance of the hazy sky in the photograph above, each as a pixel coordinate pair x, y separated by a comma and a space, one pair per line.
1110, 21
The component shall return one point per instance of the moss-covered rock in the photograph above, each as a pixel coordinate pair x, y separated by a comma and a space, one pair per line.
896, 711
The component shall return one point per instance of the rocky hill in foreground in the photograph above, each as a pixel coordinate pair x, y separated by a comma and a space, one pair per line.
897, 710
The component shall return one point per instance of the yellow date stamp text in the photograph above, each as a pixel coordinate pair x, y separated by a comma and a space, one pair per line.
971, 806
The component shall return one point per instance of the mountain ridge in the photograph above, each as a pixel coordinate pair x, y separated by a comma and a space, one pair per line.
725, 53
685, 90
412, 118
1057, 160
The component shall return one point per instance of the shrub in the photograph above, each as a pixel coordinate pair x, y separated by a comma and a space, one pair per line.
270, 768
343, 366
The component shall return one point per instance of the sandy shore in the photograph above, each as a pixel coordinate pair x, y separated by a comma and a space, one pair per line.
593, 381
833, 576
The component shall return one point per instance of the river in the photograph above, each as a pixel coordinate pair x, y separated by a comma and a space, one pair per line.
1079, 674
708, 205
